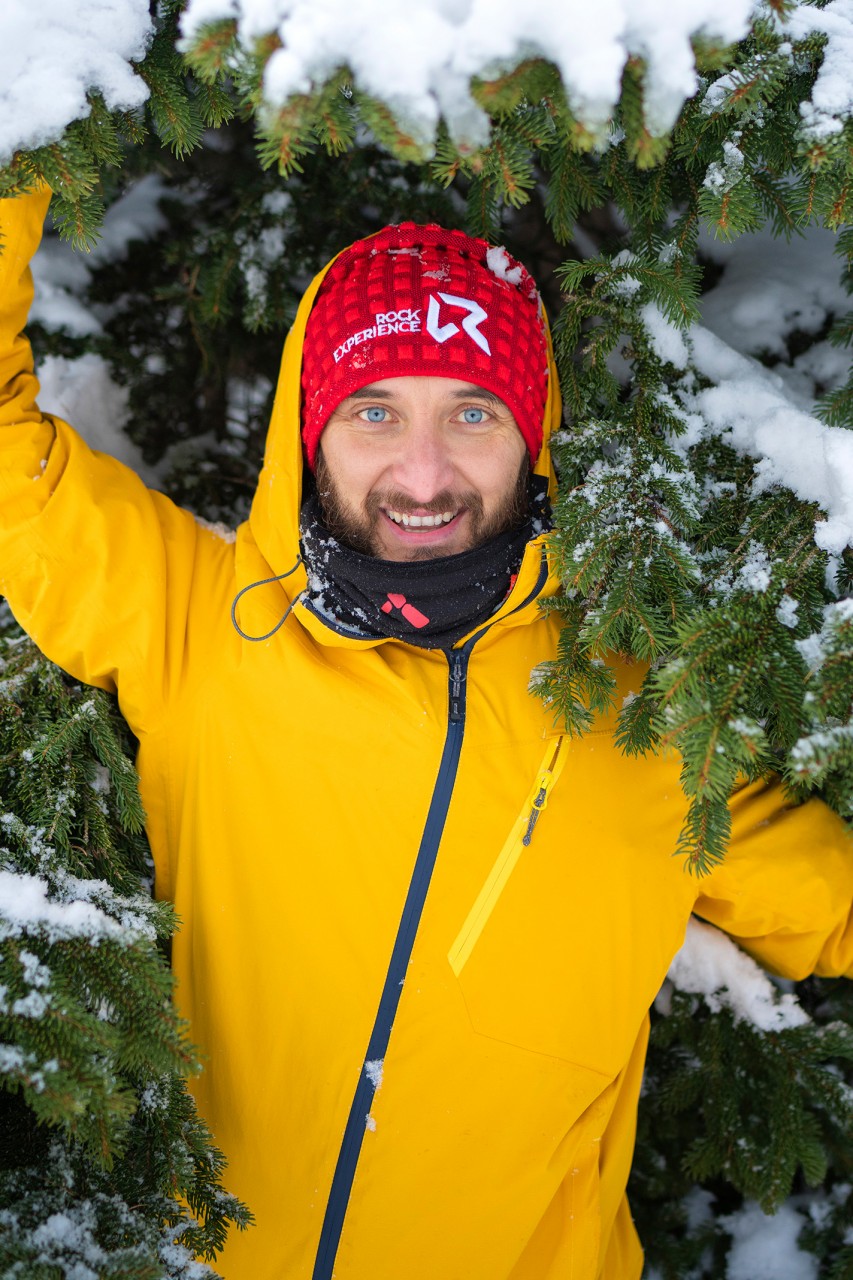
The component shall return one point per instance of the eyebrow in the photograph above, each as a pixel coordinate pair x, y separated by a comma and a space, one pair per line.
473, 392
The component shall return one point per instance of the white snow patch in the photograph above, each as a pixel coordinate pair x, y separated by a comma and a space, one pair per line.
787, 611
419, 58
711, 965
82, 392
497, 260
813, 648
749, 408
765, 1248
724, 174
832, 97
374, 1069
25, 906
61, 273
667, 341
53, 52
769, 288
135, 216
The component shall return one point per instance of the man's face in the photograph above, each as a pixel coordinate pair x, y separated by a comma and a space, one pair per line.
415, 468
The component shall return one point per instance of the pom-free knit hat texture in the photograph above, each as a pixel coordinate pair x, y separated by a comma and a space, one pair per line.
425, 301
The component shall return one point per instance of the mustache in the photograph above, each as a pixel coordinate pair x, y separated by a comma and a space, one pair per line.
447, 500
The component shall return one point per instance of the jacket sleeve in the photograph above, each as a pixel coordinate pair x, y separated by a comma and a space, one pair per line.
785, 888
95, 567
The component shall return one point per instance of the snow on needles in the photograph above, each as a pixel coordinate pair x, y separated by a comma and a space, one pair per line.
750, 409
832, 96
768, 290
52, 52
419, 58
25, 907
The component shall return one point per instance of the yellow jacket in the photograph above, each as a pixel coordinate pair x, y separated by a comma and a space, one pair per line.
423, 1010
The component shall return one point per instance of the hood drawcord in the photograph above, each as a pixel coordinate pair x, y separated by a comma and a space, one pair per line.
264, 582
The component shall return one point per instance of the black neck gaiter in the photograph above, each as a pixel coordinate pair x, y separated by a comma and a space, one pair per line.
428, 603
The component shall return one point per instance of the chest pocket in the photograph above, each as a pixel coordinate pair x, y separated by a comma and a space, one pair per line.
518, 840
520, 957
540, 958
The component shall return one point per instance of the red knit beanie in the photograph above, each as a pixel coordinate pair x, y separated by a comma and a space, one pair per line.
429, 302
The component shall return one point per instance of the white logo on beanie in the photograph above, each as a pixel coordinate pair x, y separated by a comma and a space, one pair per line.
441, 332
403, 321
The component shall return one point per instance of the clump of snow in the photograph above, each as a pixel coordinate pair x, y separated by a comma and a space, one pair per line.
497, 260
257, 257
809, 754
374, 1069
72, 1235
626, 286
749, 408
787, 611
726, 173
100, 781
755, 572
35, 973
711, 965
52, 53
765, 1247
832, 97
769, 291
667, 341
420, 58
813, 648
181, 1264
25, 906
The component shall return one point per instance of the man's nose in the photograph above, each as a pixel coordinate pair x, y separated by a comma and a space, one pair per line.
423, 467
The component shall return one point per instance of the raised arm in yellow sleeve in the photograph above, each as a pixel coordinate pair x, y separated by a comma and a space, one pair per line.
785, 888
27, 436
96, 567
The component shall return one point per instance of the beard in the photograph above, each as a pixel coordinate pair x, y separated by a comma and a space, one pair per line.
358, 528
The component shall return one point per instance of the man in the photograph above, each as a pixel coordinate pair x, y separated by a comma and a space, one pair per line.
422, 927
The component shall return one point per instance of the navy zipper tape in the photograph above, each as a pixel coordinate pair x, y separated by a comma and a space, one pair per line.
368, 1082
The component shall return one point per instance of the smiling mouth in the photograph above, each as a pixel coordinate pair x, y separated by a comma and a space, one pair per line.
406, 521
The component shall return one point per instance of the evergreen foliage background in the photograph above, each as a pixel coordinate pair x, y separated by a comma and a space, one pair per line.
660, 526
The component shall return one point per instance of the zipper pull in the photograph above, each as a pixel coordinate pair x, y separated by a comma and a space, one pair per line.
546, 781
457, 686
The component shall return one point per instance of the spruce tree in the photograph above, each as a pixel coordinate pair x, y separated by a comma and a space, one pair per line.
682, 538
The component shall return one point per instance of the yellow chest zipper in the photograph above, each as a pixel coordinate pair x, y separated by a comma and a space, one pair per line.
518, 839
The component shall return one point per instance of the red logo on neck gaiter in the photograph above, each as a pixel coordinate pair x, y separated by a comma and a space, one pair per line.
409, 612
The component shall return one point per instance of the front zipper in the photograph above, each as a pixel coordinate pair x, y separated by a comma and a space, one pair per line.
370, 1075
371, 1072
519, 838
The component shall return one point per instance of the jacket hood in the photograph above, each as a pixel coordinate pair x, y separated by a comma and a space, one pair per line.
274, 517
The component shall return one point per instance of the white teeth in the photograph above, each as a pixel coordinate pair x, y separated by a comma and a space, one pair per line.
420, 522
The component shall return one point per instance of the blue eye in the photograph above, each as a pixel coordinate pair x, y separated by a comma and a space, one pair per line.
473, 416
375, 413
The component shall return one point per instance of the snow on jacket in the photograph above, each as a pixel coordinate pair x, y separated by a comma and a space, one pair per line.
424, 1014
